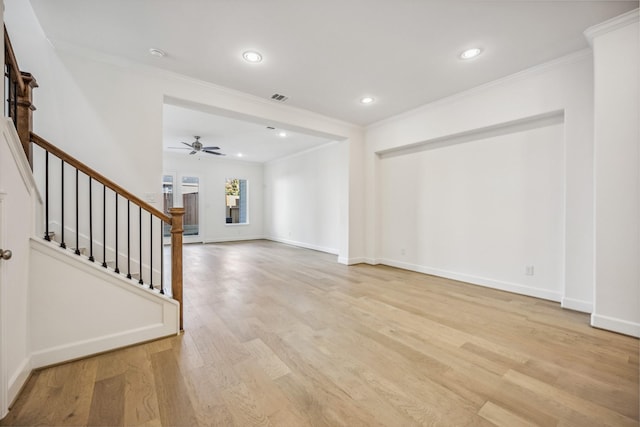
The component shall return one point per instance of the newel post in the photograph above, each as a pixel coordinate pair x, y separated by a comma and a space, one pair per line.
176, 256
25, 107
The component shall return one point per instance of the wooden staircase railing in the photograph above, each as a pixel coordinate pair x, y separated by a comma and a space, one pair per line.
19, 87
19, 107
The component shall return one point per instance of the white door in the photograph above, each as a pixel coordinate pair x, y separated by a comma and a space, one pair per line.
16, 225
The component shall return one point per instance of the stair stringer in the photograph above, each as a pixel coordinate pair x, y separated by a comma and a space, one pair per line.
78, 308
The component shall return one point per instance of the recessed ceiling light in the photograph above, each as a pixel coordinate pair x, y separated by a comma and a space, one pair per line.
282, 134
239, 154
252, 56
366, 100
470, 53
157, 52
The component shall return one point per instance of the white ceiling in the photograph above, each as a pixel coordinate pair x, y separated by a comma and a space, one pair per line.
326, 54
255, 142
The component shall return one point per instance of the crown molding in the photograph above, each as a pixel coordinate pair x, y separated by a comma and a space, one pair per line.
611, 25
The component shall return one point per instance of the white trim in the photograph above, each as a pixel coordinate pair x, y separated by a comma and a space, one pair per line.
89, 347
615, 325
357, 260
304, 245
19, 379
512, 126
513, 78
577, 305
22, 163
229, 239
477, 280
611, 25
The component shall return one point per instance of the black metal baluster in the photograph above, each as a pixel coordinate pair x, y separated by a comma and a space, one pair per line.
128, 239
117, 270
161, 257
7, 90
150, 251
77, 215
140, 281
62, 244
90, 221
104, 226
14, 101
46, 196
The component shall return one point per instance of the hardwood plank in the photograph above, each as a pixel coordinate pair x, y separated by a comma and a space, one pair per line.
107, 404
173, 399
76, 395
571, 401
502, 417
205, 392
141, 401
29, 409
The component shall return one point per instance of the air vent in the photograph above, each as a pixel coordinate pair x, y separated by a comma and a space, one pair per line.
278, 97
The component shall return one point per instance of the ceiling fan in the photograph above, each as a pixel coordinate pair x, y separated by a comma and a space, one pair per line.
196, 147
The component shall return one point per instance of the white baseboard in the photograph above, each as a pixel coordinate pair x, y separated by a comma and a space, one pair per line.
477, 280
577, 305
356, 260
86, 348
18, 379
304, 245
228, 239
616, 325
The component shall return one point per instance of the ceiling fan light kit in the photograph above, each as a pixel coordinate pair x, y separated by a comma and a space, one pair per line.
197, 147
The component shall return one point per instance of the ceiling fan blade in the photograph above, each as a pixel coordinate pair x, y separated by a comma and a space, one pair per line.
188, 145
193, 152
210, 148
214, 152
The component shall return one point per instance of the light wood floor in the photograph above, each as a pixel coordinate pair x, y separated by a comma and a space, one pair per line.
282, 336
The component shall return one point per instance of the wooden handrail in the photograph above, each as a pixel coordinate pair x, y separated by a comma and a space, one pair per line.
10, 60
38, 140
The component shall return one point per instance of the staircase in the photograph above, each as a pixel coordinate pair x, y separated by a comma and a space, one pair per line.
95, 270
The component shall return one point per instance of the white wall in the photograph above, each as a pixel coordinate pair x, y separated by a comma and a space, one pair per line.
616, 46
100, 109
479, 211
563, 86
213, 173
303, 197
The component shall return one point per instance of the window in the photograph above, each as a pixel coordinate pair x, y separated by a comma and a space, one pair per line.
236, 201
182, 191
190, 200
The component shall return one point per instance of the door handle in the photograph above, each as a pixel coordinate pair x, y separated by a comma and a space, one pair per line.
5, 254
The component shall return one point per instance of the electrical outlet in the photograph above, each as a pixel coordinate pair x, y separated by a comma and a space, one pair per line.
528, 270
